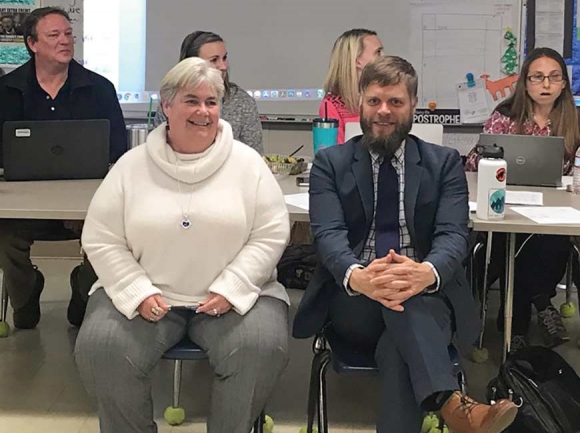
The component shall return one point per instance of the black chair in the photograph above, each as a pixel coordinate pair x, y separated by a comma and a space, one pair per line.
329, 348
186, 350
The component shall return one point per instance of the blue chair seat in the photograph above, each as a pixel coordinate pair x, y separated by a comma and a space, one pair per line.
330, 349
185, 350
347, 360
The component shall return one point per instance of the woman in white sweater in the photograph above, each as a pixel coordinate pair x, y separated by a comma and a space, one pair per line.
184, 234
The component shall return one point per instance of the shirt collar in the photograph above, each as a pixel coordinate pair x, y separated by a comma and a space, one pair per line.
398, 158
22, 77
534, 123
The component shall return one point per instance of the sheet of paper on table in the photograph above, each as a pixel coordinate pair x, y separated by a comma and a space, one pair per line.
524, 197
549, 214
298, 200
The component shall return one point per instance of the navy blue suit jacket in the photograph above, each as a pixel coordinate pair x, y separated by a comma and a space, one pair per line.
341, 212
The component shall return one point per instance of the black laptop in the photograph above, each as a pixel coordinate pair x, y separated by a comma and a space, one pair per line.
532, 160
55, 149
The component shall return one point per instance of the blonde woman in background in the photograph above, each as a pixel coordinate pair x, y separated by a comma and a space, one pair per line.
350, 54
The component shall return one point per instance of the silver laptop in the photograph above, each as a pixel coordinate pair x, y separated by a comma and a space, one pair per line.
55, 149
531, 160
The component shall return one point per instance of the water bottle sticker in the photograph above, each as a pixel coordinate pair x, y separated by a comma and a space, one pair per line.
577, 161
497, 201
500, 174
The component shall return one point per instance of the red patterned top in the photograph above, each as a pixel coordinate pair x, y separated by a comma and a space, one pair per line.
337, 110
501, 124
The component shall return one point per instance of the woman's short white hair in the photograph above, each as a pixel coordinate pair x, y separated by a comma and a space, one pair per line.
189, 74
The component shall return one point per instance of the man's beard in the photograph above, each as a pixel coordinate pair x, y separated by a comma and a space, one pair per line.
385, 146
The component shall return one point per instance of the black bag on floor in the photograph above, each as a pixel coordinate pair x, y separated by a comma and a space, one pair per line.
296, 266
545, 386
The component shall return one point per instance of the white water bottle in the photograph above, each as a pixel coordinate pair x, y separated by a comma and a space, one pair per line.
491, 181
576, 174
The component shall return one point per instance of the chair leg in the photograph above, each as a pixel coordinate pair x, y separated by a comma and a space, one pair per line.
322, 409
176, 382
4, 328
259, 424
576, 268
569, 275
472, 270
568, 309
462, 382
314, 389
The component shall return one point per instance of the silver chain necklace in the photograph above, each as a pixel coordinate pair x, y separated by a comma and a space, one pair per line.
185, 223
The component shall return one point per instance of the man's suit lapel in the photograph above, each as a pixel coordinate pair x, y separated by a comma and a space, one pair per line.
364, 179
413, 173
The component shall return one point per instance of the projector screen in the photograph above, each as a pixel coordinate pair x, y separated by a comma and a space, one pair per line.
279, 50
272, 45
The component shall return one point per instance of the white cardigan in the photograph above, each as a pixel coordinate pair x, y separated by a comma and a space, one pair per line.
239, 226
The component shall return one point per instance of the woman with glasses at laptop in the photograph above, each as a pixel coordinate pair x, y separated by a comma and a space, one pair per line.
542, 104
184, 234
350, 54
238, 108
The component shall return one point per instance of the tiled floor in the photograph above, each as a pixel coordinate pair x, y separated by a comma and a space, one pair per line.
40, 390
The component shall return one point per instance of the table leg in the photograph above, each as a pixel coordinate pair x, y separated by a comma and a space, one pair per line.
484, 294
3, 300
509, 292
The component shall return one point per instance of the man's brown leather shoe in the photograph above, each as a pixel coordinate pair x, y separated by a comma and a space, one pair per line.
464, 415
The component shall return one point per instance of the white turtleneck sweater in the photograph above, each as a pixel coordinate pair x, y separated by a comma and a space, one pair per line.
239, 226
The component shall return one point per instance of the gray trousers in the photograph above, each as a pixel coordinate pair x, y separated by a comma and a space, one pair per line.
16, 238
115, 357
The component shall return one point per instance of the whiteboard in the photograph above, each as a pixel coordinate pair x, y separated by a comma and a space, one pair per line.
275, 44
451, 39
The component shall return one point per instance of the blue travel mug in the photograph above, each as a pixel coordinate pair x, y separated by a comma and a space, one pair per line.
324, 133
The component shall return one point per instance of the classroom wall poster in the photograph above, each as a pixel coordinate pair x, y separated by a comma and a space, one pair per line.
12, 15
574, 61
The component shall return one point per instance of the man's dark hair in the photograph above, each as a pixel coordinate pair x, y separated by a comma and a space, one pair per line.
29, 25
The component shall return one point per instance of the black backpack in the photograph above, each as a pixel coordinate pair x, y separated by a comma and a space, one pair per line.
296, 266
544, 386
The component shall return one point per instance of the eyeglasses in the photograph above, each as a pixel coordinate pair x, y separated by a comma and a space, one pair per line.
552, 78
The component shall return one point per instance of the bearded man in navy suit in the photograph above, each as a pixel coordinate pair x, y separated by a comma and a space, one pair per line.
389, 213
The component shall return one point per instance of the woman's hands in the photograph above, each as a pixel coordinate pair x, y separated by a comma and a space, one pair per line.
214, 305
153, 308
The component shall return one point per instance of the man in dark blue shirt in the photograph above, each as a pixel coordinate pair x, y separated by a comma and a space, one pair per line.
51, 86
